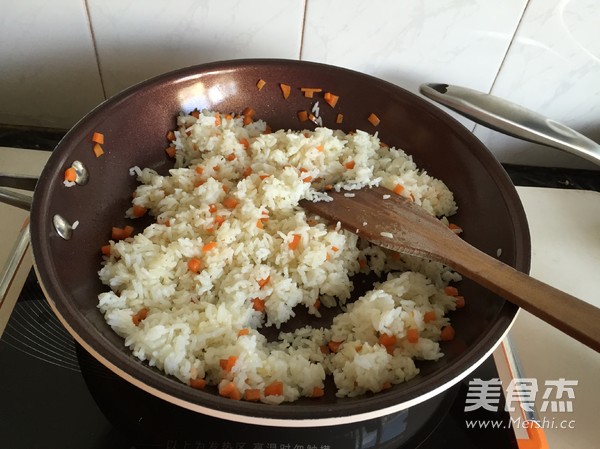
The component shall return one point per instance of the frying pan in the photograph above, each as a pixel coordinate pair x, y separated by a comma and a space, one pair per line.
134, 124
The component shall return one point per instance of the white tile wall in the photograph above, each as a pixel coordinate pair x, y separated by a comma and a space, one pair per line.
48, 71
553, 67
137, 40
410, 42
59, 59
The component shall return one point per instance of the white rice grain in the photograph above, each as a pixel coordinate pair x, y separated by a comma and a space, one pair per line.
233, 207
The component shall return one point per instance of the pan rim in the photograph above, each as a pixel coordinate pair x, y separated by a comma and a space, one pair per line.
151, 381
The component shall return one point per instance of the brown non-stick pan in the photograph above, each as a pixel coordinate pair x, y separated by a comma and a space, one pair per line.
134, 124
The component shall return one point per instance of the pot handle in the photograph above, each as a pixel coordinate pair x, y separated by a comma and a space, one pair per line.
511, 119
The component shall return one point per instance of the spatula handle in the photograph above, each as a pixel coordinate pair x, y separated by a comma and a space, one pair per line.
567, 313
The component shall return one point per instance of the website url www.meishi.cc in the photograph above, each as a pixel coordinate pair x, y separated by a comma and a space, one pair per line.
520, 423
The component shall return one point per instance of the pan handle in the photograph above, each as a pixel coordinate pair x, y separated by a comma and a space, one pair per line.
12, 265
15, 199
511, 119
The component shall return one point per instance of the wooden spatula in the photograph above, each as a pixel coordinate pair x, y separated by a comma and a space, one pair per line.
398, 224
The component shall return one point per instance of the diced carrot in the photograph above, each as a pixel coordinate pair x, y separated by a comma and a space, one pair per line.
139, 211
447, 333
455, 228
70, 174
285, 90
212, 208
387, 339
235, 394
310, 91
307, 179
258, 304
195, 265
199, 384
460, 301
228, 363
219, 219
334, 346
98, 138
263, 282
302, 116
228, 116
199, 169
171, 151
324, 349
328, 187
430, 316
195, 113
128, 231
119, 233
243, 332
312, 117
245, 143
106, 250
318, 392
247, 120
267, 130
398, 189
260, 84
350, 165
211, 245
374, 120
317, 304
331, 99
386, 386
328, 256
247, 172
339, 118
98, 151
335, 249
140, 316
412, 335
225, 188
259, 224
263, 177
295, 241
170, 136
451, 291
229, 390
274, 389
252, 394
199, 182
230, 157
248, 111
230, 202
217, 119
362, 263
216, 168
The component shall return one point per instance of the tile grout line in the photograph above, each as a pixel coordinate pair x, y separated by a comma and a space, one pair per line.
475, 126
510, 44
91, 27
302, 31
